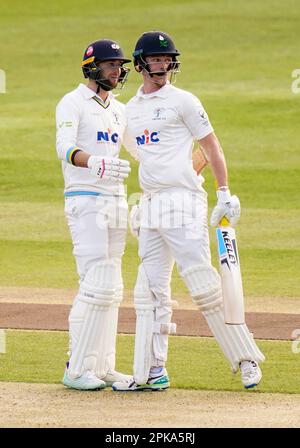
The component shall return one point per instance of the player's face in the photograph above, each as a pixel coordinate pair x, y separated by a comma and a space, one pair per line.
111, 71
158, 66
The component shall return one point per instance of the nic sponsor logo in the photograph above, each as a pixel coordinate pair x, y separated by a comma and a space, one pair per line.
147, 137
107, 136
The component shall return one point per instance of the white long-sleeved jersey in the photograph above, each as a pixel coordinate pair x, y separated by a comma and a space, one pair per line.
85, 122
161, 128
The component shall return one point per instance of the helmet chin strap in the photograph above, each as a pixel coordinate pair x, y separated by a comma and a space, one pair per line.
101, 83
157, 73
151, 74
107, 87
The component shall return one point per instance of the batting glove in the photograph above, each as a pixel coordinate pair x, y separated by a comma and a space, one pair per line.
109, 168
228, 206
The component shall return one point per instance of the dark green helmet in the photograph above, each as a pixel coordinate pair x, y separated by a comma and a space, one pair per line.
154, 43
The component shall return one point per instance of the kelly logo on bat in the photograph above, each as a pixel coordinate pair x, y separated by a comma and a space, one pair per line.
227, 248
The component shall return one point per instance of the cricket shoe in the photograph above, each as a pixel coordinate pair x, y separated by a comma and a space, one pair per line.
113, 376
250, 374
159, 381
87, 381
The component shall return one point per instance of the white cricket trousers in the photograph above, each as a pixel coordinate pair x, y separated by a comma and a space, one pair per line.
98, 226
173, 229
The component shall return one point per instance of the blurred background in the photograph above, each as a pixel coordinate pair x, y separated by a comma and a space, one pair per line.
236, 56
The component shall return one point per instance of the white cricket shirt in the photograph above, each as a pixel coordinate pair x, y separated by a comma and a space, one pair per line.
85, 122
161, 129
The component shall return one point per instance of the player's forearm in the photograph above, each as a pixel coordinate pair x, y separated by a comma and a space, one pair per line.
219, 169
81, 158
214, 154
72, 154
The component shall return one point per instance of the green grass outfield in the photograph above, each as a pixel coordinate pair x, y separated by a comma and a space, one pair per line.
194, 363
237, 56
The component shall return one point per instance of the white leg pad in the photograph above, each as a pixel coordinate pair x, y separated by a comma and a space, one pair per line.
89, 320
113, 318
236, 342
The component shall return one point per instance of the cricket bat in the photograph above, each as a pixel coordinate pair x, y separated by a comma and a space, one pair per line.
232, 287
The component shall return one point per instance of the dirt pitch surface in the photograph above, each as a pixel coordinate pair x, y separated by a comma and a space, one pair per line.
48, 405
189, 322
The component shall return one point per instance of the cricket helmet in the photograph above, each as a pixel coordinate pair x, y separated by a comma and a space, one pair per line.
100, 51
154, 43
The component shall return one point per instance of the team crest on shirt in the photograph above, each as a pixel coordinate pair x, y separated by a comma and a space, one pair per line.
159, 113
107, 136
116, 118
147, 137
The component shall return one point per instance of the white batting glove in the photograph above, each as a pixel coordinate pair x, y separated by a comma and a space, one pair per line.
228, 206
109, 168
135, 220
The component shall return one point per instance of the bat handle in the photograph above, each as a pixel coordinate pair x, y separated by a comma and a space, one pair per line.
224, 222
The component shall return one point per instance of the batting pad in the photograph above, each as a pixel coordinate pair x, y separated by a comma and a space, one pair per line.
113, 314
236, 342
89, 320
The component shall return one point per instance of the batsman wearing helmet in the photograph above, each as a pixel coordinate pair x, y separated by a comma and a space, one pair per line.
90, 127
163, 124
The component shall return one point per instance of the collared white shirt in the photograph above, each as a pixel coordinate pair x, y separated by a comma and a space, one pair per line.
161, 129
84, 121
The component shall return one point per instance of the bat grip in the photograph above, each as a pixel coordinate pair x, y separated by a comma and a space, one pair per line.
224, 222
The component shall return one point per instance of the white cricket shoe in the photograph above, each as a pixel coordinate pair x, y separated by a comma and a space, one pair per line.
87, 381
113, 376
250, 374
159, 381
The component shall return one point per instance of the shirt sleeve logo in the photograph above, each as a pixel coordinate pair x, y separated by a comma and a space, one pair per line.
147, 138
203, 114
66, 124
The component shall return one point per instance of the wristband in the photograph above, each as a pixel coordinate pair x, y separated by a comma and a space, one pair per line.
223, 188
73, 155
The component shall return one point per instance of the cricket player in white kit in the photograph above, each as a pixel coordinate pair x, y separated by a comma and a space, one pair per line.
163, 123
90, 127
